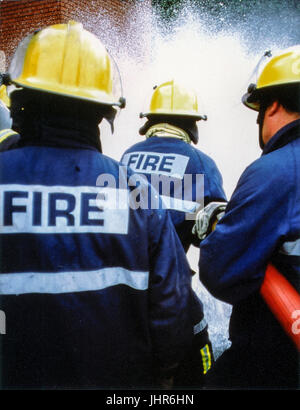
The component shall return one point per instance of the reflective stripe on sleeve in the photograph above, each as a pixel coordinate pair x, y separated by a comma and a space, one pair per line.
180, 204
206, 358
200, 326
67, 282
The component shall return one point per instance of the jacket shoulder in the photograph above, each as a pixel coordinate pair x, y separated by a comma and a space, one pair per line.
274, 165
270, 177
205, 160
134, 147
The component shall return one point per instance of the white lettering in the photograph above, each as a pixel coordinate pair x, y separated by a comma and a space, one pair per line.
63, 209
130, 400
157, 163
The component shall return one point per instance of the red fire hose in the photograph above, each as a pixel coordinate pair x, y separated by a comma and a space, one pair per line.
284, 302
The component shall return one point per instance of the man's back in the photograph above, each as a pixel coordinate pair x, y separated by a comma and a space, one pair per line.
198, 180
83, 283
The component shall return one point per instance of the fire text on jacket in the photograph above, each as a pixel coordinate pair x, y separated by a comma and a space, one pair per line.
157, 163
62, 209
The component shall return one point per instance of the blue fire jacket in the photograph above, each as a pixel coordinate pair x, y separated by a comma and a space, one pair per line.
185, 177
95, 294
261, 225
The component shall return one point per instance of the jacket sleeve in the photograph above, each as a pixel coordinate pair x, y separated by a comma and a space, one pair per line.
213, 181
234, 257
170, 293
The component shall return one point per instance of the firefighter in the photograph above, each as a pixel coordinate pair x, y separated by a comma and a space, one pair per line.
260, 225
170, 130
167, 157
8, 137
92, 299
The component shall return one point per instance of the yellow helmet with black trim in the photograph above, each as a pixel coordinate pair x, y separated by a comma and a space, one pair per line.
283, 69
172, 98
66, 59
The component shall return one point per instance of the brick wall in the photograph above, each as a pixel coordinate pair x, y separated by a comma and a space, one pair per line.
111, 20
17, 18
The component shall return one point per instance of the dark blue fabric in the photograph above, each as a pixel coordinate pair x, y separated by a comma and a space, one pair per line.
111, 337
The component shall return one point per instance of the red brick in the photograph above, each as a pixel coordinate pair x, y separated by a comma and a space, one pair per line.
23, 16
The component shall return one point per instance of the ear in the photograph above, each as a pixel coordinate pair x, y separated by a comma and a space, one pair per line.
273, 109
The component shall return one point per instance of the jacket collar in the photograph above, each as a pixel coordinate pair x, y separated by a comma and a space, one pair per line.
169, 131
61, 138
282, 137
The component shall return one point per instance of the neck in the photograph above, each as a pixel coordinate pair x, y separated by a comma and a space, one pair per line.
286, 134
276, 117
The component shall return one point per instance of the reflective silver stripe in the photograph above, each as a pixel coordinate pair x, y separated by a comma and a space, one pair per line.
200, 326
291, 248
65, 282
180, 204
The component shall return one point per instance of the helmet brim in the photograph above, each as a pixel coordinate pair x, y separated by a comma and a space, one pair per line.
99, 99
182, 114
252, 99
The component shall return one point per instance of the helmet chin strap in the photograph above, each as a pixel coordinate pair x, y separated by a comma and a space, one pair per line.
260, 122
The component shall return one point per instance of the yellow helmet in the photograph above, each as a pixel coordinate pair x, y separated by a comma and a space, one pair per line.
66, 59
282, 70
3, 95
171, 98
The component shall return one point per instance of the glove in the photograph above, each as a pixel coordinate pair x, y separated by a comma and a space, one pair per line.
207, 218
